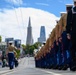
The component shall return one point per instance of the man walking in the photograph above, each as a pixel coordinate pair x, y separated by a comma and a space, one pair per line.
10, 53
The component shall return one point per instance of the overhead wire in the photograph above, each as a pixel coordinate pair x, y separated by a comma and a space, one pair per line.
17, 17
21, 14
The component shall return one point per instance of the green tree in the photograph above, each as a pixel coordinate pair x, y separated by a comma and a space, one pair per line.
29, 49
23, 46
37, 44
18, 53
0, 39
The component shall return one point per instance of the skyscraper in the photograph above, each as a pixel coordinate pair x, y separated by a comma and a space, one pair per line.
29, 33
17, 43
42, 37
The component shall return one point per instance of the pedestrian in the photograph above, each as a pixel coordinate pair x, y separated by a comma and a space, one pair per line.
15, 59
10, 54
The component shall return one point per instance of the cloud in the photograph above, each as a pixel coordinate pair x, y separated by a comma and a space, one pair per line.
44, 4
16, 2
11, 23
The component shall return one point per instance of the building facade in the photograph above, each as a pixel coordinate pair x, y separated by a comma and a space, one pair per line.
15, 42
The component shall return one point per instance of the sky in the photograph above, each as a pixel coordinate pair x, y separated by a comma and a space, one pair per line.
14, 17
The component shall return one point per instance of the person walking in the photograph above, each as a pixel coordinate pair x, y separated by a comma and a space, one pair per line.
10, 54
15, 59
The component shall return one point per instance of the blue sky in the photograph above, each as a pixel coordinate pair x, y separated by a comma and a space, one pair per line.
52, 6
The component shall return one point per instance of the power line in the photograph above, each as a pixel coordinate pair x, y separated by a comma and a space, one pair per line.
21, 15
15, 12
16, 16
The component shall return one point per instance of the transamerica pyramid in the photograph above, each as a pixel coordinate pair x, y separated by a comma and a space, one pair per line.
29, 40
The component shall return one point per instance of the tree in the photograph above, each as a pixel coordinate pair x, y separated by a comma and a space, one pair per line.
29, 49
36, 45
23, 46
0, 39
18, 53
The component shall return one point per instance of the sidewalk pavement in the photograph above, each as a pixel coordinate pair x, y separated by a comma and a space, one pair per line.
6, 69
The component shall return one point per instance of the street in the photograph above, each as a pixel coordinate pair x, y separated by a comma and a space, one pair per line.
27, 67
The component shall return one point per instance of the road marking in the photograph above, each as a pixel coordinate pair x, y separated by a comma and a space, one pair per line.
12, 71
5, 71
50, 72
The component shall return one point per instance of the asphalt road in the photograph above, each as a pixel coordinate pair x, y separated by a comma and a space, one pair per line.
27, 67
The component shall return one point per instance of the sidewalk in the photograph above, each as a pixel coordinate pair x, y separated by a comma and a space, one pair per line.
6, 69
22, 62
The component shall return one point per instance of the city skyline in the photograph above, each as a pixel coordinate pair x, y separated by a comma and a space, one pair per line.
14, 16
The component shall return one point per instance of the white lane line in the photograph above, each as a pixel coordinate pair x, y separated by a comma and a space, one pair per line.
50, 72
12, 71
19, 68
4, 71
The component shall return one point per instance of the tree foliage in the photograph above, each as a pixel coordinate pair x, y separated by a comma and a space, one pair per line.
29, 49
37, 44
18, 53
0, 39
23, 46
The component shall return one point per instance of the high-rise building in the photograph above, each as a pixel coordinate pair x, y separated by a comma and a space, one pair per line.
17, 43
42, 37
29, 40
